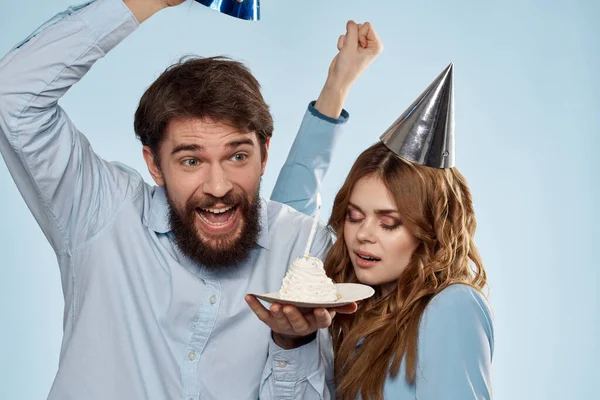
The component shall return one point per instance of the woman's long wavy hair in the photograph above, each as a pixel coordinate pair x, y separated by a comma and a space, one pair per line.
435, 206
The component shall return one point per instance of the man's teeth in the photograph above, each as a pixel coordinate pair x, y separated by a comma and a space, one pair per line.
217, 210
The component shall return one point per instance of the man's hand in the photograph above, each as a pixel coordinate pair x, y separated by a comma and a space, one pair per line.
144, 9
358, 47
291, 327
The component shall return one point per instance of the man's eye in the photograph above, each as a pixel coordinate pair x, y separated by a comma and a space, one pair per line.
239, 157
191, 162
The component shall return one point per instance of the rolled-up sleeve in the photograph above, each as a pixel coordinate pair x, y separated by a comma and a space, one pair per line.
308, 160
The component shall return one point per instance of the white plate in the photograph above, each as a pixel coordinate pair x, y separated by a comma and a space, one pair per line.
350, 292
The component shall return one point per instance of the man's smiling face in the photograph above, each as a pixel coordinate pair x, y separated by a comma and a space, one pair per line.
211, 172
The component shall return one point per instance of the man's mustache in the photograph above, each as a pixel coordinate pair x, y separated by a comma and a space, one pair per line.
209, 201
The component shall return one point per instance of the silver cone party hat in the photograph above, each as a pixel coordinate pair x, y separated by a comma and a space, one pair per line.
424, 133
242, 9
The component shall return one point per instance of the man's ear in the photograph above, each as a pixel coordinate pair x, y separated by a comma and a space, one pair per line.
266, 157
154, 169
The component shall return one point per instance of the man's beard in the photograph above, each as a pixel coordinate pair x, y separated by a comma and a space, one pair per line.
217, 253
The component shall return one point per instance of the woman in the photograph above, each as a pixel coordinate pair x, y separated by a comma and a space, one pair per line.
407, 230
404, 223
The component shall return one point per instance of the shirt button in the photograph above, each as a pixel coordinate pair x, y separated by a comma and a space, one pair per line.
282, 364
192, 355
213, 299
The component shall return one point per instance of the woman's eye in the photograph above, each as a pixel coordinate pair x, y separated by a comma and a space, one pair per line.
390, 227
353, 216
390, 223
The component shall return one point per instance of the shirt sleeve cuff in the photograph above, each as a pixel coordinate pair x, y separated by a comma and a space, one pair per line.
343, 118
294, 365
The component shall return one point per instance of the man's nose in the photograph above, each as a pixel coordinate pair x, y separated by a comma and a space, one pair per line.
217, 184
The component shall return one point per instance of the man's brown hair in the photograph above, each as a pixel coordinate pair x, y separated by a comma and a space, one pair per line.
215, 88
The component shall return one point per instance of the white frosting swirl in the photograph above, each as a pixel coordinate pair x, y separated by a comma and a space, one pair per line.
306, 281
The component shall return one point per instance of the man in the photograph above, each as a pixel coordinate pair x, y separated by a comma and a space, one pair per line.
154, 276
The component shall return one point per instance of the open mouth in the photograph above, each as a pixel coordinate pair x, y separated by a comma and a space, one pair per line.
218, 220
366, 260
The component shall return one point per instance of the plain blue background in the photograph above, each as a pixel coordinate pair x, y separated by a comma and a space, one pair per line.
527, 124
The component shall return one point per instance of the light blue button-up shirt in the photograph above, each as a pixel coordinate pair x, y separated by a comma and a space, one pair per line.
141, 321
456, 345
455, 350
